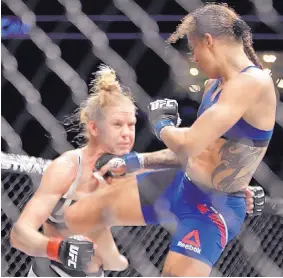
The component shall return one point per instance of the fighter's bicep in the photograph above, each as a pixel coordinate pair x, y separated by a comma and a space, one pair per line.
39, 208
54, 184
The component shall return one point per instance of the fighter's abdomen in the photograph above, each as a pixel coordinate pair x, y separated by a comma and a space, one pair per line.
226, 165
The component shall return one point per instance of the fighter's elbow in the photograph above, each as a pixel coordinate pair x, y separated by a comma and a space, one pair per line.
192, 145
192, 150
187, 147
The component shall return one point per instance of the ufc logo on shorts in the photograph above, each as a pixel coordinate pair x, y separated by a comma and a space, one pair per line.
162, 103
73, 254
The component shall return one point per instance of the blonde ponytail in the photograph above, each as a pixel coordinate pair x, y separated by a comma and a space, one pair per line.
104, 80
105, 91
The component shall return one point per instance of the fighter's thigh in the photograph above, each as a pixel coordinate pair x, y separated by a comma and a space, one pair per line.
113, 205
123, 203
144, 198
179, 265
196, 246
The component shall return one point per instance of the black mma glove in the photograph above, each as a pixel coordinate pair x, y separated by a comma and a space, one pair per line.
120, 165
161, 113
75, 252
258, 200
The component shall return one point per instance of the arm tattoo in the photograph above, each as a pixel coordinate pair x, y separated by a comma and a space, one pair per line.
235, 157
161, 159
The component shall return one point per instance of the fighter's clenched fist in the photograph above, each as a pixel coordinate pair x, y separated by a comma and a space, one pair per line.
161, 113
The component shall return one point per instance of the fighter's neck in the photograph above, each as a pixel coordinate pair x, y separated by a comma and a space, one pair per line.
92, 152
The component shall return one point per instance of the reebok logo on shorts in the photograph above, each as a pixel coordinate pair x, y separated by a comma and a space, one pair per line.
191, 242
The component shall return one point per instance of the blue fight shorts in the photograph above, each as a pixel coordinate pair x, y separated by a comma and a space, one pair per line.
206, 220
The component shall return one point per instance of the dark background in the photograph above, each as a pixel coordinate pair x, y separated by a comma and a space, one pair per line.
151, 70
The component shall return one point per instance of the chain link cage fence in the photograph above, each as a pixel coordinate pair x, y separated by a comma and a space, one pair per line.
50, 48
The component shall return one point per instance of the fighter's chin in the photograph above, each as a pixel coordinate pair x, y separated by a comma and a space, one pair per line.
122, 150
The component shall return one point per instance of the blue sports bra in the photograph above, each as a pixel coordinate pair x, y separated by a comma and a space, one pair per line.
241, 131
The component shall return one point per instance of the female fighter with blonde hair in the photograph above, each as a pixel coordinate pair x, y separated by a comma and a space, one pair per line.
108, 120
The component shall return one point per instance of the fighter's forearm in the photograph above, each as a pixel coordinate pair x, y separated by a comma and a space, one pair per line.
23, 237
161, 159
180, 141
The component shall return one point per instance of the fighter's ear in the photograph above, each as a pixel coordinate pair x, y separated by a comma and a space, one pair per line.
92, 127
208, 40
